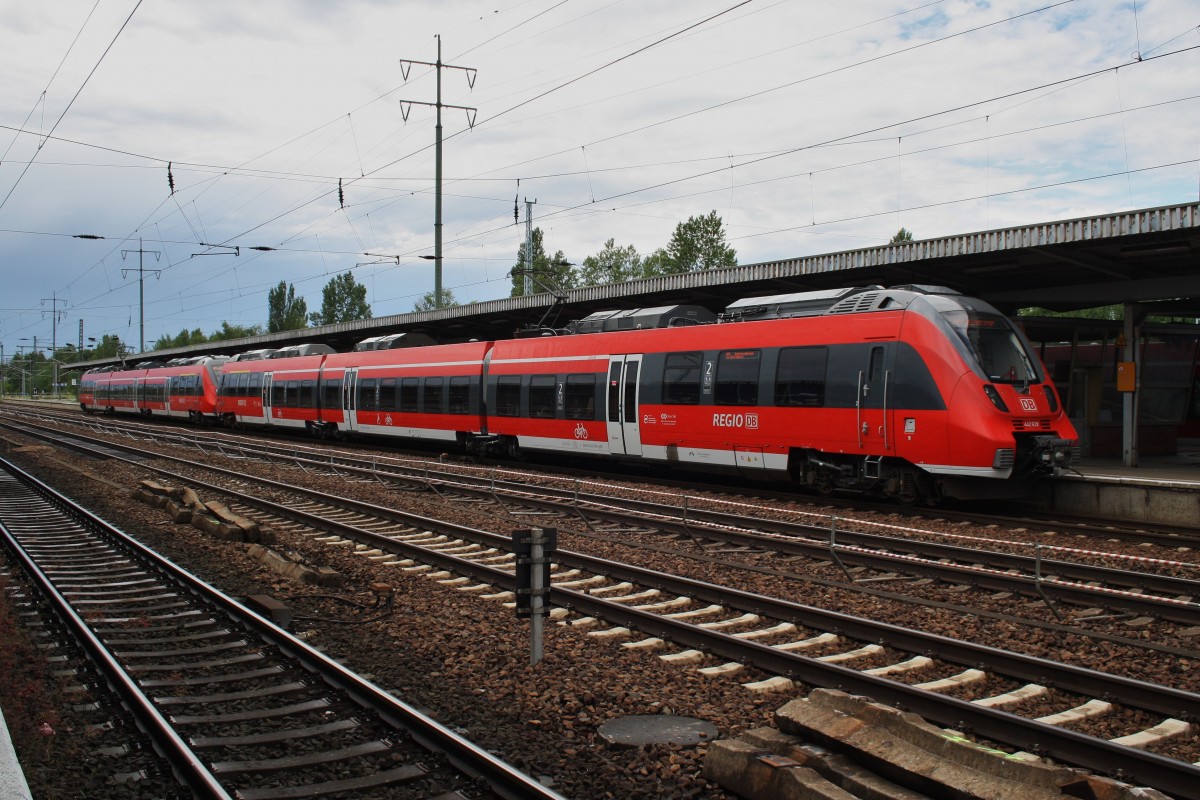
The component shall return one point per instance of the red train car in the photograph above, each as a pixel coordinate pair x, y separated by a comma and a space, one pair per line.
914, 393
182, 389
272, 388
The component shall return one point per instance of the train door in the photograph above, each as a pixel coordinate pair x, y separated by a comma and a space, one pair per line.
624, 423
874, 405
268, 383
349, 389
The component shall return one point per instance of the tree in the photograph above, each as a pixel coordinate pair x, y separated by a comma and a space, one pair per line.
285, 311
697, 245
611, 265
342, 300
235, 332
657, 263
903, 235
426, 303
549, 274
182, 339
109, 346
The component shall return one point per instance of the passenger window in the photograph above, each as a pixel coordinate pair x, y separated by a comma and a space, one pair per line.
433, 396
368, 399
681, 379
508, 396
800, 377
408, 395
580, 398
387, 395
460, 395
541, 396
737, 377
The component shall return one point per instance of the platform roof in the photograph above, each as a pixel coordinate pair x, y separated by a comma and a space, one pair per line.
1147, 256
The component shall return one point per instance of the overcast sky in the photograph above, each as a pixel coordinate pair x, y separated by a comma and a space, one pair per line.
808, 127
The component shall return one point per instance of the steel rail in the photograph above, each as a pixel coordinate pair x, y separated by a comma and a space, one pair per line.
1148, 696
1165, 535
1096, 754
987, 569
186, 765
501, 777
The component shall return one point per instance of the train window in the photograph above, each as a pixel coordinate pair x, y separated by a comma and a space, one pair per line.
580, 398
408, 395
279, 393
875, 368
368, 394
508, 396
308, 394
541, 396
800, 376
460, 395
293, 394
331, 393
254, 384
433, 396
737, 377
387, 394
243, 382
681, 379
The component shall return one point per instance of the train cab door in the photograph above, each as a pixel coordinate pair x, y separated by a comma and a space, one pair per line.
624, 423
874, 404
349, 391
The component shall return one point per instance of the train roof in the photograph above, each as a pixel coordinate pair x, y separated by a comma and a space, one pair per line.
395, 341
851, 300
639, 318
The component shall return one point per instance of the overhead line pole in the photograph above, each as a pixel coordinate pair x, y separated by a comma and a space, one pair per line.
142, 287
405, 107
54, 301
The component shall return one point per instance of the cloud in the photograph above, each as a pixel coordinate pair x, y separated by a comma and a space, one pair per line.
807, 129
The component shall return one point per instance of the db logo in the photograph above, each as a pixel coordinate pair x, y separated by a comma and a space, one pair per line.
1028, 404
752, 421
580, 431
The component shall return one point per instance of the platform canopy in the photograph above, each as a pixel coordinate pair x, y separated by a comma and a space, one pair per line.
1145, 256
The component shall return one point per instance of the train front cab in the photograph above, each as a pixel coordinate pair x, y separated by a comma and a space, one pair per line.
1006, 419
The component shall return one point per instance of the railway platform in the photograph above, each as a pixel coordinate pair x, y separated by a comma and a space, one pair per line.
12, 778
1161, 489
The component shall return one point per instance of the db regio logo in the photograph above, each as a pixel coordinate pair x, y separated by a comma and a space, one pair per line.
1028, 404
747, 421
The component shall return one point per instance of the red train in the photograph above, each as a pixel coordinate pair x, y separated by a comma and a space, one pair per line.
913, 392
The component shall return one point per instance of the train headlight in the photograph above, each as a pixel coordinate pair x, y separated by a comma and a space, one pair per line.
994, 396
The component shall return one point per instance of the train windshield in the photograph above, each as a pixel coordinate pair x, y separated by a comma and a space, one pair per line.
998, 348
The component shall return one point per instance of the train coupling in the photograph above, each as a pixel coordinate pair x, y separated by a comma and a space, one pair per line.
1054, 452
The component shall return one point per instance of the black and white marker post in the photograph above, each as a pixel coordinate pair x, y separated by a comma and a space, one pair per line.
532, 547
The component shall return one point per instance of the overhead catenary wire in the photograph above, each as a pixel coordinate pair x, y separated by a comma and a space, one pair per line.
63, 115
349, 216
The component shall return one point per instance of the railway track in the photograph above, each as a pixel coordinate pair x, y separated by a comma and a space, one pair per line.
1022, 516
1057, 574
238, 707
789, 642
